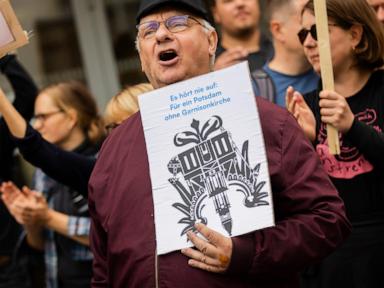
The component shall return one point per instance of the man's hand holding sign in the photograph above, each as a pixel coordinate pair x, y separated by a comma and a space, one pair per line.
213, 254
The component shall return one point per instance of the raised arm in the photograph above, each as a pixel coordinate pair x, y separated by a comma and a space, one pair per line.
68, 168
25, 94
22, 84
16, 123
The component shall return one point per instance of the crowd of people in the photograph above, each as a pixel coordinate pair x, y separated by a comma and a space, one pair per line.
86, 219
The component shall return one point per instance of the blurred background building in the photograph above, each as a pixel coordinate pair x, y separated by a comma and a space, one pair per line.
88, 40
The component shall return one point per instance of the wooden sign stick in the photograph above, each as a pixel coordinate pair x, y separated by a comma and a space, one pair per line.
326, 66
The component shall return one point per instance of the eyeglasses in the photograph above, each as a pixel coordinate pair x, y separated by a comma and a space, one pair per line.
174, 24
303, 33
42, 117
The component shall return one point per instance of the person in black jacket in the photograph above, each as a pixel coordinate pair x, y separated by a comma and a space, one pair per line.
11, 273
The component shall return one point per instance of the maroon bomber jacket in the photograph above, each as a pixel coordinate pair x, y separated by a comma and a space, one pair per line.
310, 216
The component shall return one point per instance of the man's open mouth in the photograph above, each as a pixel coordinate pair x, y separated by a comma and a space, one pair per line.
167, 55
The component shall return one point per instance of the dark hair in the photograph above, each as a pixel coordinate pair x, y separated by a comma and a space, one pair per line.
346, 13
74, 95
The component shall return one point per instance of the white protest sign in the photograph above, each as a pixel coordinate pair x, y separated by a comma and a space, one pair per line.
207, 157
6, 36
12, 35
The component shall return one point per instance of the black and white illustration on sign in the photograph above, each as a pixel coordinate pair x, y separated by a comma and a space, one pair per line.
204, 172
207, 158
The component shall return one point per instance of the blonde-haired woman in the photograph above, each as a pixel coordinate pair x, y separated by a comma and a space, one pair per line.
124, 104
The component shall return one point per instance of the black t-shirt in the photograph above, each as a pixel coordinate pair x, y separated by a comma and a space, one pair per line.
358, 172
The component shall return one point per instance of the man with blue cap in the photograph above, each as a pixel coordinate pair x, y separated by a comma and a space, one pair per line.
176, 42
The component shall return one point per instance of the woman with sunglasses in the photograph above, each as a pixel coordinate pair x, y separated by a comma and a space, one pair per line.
66, 115
356, 109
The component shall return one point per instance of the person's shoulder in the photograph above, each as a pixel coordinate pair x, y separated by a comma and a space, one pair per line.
272, 116
278, 126
122, 135
131, 123
117, 146
275, 120
268, 109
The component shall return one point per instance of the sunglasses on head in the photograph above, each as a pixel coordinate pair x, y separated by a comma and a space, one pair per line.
303, 33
